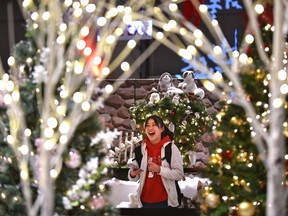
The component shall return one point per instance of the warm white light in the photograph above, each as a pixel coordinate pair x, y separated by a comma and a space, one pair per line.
84, 31
78, 68
15, 96
235, 54
282, 75
218, 76
110, 39
64, 93
183, 31
81, 44
108, 88
125, 66
64, 127
26, 3
209, 85
48, 145
203, 8
172, 24
10, 139
53, 173
7, 99
61, 39
105, 71
214, 22
46, 15
24, 175
24, 149
34, 16
90, 8
131, 44
52, 122
192, 49
198, 42
217, 50
77, 97
11, 61
78, 12
67, 3
159, 35
27, 132
63, 27
284, 89
243, 58
198, 33
277, 102
9, 86
48, 132
97, 60
249, 38
173, 7
63, 139
259, 8
87, 51
85, 106
127, 18
60, 110
101, 21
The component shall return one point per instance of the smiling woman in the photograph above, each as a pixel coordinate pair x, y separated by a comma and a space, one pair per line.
157, 176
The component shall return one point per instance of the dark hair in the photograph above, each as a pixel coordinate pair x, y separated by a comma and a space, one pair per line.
160, 123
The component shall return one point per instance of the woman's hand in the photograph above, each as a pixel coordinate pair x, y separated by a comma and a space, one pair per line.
153, 167
134, 171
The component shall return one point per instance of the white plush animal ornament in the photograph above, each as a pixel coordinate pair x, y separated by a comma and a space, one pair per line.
165, 82
188, 85
154, 98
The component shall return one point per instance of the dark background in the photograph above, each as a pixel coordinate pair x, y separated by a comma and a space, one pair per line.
162, 60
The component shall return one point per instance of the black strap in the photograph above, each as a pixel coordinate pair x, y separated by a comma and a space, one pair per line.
168, 153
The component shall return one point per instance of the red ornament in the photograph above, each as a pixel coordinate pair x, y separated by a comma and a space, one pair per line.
172, 112
228, 155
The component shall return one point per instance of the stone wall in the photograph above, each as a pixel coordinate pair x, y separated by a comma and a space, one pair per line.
115, 113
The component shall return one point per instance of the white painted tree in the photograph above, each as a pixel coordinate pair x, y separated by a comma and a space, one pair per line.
268, 134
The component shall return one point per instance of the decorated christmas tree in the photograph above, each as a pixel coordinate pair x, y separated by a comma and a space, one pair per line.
237, 169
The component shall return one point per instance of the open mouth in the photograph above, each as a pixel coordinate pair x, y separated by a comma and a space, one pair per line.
151, 133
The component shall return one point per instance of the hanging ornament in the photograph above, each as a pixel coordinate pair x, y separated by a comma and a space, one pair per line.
212, 200
171, 127
228, 154
246, 209
73, 159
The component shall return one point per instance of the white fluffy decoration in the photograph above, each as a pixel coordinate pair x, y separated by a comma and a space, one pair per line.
188, 85
123, 193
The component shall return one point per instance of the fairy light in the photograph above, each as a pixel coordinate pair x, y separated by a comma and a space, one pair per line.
84, 2
214, 22
218, 76
259, 8
49, 144
173, 7
198, 42
80, 44
85, 106
78, 12
277, 102
64, 94
97, 60
101, 21
198, 33
63, 139
52, 122
209, 85
61, 39
125, 66
63, 27
131, 44
249, 39
78, 67
284, 89
172, 24
46, 15
53, 173
118, 31
27, 132
159, 35
105, 71
26, 3
217, 50
110, 39
11, 61
60, 110
34, 16
64, 127
87, 51
7, 99
111, 13
192, 49
203, 8
90, 8
68, 3
84, 31
282, 75
243, 58
24, 149
77, 97
108, 88
48, 132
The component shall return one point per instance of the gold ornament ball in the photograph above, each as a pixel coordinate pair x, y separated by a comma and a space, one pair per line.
212, 200
246, 209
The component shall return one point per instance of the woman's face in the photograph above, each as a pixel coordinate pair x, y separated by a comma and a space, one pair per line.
153, 131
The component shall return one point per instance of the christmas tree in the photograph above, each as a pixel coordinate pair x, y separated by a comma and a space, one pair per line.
237, 167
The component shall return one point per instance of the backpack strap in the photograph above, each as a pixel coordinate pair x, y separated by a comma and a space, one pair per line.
168, 153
